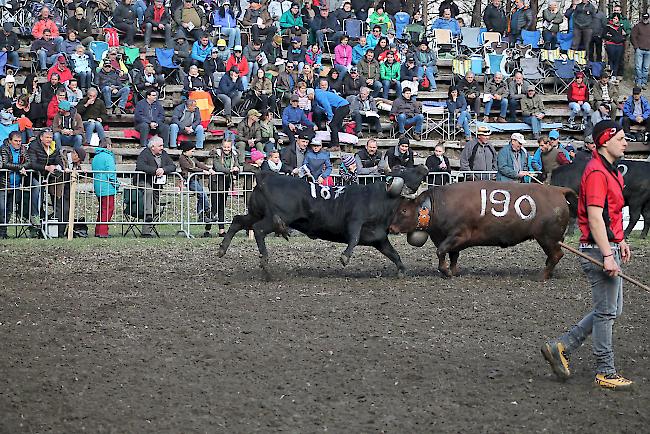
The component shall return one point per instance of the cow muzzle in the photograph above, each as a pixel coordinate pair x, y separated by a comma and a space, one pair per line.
417, 238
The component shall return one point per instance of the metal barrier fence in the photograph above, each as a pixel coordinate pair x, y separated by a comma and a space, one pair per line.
20, 203
138, 202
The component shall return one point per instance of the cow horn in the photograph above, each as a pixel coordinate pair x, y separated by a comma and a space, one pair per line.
417, 238
394, 189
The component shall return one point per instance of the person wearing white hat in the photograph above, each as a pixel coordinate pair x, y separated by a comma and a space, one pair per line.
512, 160
225, 19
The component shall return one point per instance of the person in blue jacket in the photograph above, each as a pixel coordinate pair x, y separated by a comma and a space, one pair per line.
359, 50
317, 160
512, 160
201, 50
150, 116
294, 119
334, 107
229, 92
447, 22
105, 184
224, 18
636, 111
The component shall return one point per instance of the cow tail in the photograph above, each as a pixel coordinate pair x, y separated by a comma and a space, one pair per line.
572, 200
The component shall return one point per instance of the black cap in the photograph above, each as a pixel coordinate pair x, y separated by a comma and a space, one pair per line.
605, 130
636, 91
142, 50
187, 146
404, 141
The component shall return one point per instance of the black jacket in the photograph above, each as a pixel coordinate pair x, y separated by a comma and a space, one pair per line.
449, 4
38, 158
125, 14
82, 26
147, 163
10, 41
495, 19
149, 16
396, 159
6, 158
352, 86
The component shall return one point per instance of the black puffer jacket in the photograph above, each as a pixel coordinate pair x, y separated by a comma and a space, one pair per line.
7, 160
38, 158
495, 19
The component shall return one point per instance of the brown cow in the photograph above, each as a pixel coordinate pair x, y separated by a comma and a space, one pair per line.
457, 216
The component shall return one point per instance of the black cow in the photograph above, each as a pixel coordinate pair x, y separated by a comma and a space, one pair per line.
355, 214
637, 189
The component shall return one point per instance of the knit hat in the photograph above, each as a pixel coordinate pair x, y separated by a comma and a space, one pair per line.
256, 155
348, 160
187, 146
64, 105
605, 130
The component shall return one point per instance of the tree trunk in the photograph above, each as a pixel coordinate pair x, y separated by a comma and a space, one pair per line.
534, 7
476, 14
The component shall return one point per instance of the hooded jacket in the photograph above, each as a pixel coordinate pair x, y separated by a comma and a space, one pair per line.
105, 180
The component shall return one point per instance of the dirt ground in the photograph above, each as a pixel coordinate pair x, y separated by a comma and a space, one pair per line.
161, 336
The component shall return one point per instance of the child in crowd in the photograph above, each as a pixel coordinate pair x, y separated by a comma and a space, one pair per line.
348, 170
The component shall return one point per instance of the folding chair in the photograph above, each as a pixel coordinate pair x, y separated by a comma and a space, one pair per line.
164, 56
413, 32
531, 68
531, 37
353, 28
488, 38
436, 120
443, 38
579, 56
496, 63
130, 54
459, 67
99, 50
595, 69
402, 20
564, 40
550, 56
470, 41
133, 209
564, 74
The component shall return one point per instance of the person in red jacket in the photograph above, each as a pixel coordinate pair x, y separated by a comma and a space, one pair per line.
53, 105
61, 68
236, 59
578, 96
600, 217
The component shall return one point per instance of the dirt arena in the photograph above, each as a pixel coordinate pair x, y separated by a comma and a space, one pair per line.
160, 336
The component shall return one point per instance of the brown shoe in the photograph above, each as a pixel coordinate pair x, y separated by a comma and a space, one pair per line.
502, 120
417, 137
381, 135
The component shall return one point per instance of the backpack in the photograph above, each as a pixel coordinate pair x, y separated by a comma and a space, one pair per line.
111, 37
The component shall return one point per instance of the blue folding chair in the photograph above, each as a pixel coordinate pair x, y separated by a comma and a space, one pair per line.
471, 42
3, 63
531, 37
165, 58
595, 69
353, 28
495, 64
402, 19
564, 40
99, 50
564, 74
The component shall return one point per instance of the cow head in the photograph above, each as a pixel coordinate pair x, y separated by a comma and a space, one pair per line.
413, 217
406, 181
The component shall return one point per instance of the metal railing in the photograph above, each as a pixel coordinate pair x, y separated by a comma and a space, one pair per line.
138, 202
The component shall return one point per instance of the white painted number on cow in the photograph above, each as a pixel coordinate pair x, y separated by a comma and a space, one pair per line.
622, 168
500, 201
325, 192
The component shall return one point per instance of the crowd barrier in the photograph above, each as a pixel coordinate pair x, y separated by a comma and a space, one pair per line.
141, 202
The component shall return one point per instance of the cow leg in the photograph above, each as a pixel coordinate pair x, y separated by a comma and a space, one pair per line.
571, 227
443, 267
646, 222
635, 213
354, 233
453, 262
239, 222
387, 249
261, 229
553, 255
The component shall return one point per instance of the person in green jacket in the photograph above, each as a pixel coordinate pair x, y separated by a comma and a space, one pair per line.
291, 23
389, 75
105, 184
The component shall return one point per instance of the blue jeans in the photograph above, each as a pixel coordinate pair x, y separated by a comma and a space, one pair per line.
387, 84
342, 71
173, 135
234, 36
576, 108
63, 140
607, 297
94, 127
463, 120
140, 8
615, 57
503, 107
513, 106
202, 201
550, 40
641, 66
13, 59
85, 79
430, 76
535, 124
376, 88
122, 94
44, 60
404, 120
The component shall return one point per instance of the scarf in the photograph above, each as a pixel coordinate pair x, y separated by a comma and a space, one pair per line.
274, 166
158, 13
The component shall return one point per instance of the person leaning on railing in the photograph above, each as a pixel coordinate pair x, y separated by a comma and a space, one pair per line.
105, 185
15, 159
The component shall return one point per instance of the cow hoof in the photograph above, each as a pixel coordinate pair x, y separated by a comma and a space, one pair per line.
401, 273
445, 272
455, 271
221, 252
344, 260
